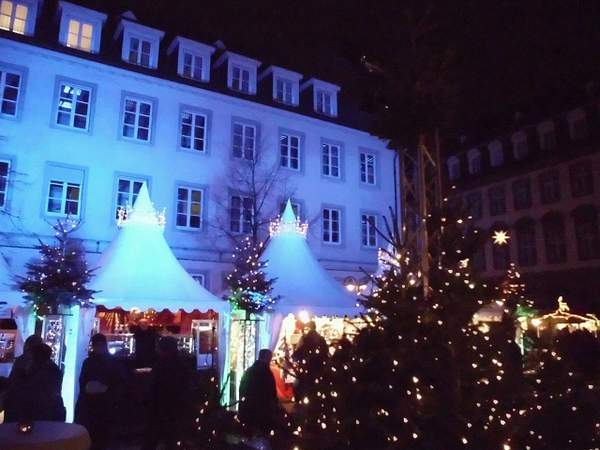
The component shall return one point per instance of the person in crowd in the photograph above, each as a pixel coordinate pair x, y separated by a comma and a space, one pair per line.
35, 388
25, 360
99, 382
145, 344
169, 409
310, 355
258, 395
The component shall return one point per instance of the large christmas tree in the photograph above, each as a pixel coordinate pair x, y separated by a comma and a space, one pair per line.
60, 275
420, 374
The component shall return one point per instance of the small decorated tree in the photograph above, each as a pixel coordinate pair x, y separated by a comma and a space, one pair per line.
249, 288
60, 275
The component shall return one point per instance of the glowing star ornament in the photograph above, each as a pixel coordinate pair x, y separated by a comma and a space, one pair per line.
500, 237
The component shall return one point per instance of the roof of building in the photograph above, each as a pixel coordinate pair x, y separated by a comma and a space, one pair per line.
139, 270
301, 281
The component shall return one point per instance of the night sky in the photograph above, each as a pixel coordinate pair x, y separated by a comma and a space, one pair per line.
532, 56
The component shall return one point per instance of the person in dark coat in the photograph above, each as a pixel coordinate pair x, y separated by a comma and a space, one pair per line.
35, 389
258, 395
170, 394
145, 344
310, 355
99, 381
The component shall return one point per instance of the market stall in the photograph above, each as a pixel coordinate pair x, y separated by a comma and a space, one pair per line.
308, 292
138, 277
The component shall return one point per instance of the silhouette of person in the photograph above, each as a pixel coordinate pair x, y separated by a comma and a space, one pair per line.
258, 395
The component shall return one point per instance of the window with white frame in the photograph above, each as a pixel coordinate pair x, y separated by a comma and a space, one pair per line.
4, 171
10, 89
284, 91
73, 108
323, 104
127, 191
140, 51
80, 35
369, 230
199, 278
331, 224
330, 154
13, 16
289, 151
240, 215
137, 119
367, 168
244, 140
240, 79
193, 131
189, 207
63, 198
295, 207
192, 66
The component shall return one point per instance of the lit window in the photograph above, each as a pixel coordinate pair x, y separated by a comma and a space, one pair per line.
331, 160
244, 141
10, 86
4, 171
192, 66
289, 146
241, 212
331, 225
127, 192
367, 168
323, 103
369, 230
240, 79
80, 35
193, 131
13, 16
284, 91
189, 207
137, 119
63, 198
140, 52
73, 107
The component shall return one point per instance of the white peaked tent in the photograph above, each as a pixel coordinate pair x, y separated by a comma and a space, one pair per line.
139, 270
303, 284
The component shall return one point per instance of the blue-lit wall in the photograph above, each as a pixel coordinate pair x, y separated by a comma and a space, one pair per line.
31, 142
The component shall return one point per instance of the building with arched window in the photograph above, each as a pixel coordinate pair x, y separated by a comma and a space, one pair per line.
541, 184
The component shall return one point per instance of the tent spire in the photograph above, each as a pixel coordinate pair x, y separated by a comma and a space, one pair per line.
288, 223
143, 212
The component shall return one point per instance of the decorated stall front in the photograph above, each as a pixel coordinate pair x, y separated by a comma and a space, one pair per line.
308, 292
141, 284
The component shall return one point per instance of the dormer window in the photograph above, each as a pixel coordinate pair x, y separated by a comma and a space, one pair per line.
547, 135
140, 43
577, 124
80, 27
240, 79
193, 58
241, 72
324, 96
285, 84
496, 154
520, 149
284, 91
18, 16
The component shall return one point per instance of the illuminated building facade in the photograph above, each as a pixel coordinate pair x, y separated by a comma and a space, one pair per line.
94, 105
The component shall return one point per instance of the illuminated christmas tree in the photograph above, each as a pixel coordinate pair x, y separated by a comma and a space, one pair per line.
420, 374
60, 275
249, 288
